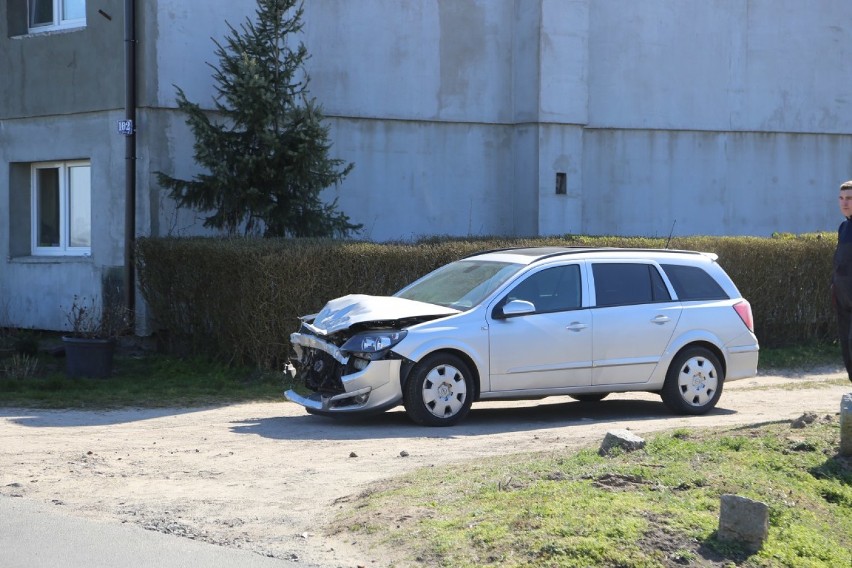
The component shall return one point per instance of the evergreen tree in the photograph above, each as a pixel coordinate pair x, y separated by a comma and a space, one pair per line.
266, 152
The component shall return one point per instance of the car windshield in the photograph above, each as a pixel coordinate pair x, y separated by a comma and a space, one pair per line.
460, 285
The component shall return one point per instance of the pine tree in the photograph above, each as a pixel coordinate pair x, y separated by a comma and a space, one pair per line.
267, 150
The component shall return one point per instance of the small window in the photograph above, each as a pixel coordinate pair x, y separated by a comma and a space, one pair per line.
551, 290
619, 284
561, 183
47, 15
61, 208
693, 283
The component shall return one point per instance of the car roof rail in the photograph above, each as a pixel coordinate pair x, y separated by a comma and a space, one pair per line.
582, 249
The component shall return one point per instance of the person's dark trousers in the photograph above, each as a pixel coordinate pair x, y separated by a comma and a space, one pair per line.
844, 333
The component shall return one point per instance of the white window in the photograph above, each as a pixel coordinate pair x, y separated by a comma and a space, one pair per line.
46, 15
62, 208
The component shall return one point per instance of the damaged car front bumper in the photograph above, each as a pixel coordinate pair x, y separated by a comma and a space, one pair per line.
342, 385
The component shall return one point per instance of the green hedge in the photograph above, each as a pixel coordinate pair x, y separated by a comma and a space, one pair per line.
239, 299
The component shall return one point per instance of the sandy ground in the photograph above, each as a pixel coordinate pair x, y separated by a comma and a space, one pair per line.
268, 477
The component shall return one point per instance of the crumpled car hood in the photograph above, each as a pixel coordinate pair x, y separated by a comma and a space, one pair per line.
344, 312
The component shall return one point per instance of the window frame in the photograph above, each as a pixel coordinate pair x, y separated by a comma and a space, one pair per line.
57, 23
64, 247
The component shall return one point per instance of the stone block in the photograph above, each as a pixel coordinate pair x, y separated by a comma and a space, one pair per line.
624, 439
743, 521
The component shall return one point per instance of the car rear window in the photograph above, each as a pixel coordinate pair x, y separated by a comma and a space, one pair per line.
618, 284
693, 283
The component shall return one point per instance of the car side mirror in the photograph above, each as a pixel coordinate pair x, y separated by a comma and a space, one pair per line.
515, 308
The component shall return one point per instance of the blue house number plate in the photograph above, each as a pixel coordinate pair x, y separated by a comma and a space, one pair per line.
125, 127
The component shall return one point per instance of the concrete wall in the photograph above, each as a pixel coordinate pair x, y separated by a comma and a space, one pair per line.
632, 101
63, 72
34, 288
721, 65
726, 117
60, 98
648, 108
717, 116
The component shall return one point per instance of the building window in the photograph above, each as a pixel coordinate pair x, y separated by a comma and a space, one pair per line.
61, 208
46, 15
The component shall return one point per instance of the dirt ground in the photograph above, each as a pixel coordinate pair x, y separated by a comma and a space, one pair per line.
268, 477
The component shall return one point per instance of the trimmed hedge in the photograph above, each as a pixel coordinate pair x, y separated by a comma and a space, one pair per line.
239, 299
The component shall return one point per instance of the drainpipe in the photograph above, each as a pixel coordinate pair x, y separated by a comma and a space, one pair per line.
130, 156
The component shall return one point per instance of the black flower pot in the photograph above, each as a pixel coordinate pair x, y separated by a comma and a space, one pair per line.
86, 357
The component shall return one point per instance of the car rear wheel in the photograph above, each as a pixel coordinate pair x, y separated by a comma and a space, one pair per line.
693, 382
439, 390
597, 397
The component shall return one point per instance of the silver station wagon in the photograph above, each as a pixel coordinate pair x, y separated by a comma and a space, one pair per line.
529, 323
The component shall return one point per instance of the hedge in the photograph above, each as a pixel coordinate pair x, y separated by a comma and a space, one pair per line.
239, 299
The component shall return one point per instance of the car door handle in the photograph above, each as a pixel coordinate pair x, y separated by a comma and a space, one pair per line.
576, 326
661, 320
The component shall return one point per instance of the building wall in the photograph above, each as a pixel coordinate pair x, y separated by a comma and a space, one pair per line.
739, 123
426, 113
701, 116
596, 88
63, 72
61, 94
631, 101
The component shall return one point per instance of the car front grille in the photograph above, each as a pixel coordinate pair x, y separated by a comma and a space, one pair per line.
320, 372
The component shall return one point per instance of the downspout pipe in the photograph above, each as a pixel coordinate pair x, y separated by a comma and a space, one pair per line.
130, 157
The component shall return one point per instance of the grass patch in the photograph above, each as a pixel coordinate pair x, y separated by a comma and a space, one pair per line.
146, 381
801, 356
656, 507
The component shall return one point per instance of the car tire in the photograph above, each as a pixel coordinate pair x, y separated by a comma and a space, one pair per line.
693, 382
597, 397
439, 390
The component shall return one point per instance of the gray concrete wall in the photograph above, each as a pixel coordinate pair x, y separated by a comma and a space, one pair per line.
34, 288
669, 104
64, 72
725, 116
721, 116
60, 94
748, 99
721, 65
712, 183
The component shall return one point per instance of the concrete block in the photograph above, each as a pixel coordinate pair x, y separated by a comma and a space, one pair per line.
743, 521
624, 439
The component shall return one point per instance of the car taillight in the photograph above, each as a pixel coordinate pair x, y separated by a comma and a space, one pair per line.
743, 309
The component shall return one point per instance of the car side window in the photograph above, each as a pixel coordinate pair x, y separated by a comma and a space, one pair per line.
618, 284
693, 283
551, 290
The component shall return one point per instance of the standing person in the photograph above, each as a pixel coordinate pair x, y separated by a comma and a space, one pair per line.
841, 277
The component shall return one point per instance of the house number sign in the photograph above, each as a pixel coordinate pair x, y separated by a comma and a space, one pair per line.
125, 127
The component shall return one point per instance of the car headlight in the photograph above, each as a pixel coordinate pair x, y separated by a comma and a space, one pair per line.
373, 344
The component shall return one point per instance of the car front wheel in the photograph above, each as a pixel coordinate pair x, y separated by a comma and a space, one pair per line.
439, 390
693, 382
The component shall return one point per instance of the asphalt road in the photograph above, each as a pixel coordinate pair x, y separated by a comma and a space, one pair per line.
33, 535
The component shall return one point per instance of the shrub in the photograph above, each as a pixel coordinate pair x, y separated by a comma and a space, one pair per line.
239, 299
